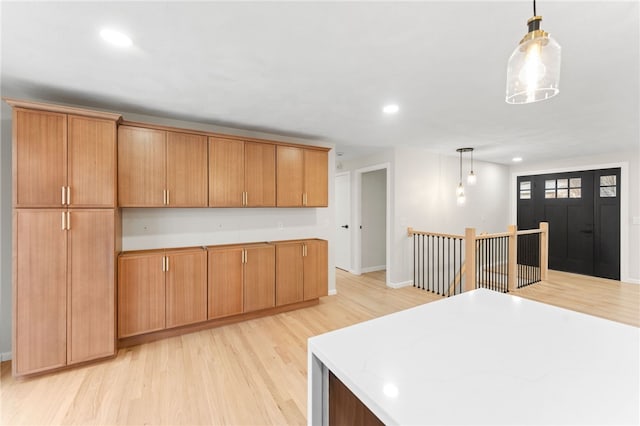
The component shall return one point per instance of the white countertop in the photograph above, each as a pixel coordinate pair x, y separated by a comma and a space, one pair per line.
489, 358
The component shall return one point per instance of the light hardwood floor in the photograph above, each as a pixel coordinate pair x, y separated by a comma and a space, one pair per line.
250, 373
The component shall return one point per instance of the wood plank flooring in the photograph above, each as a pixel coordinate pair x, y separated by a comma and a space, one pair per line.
250, 373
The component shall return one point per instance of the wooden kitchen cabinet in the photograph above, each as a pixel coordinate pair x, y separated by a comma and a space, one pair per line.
157, 168
241, 279
301, 270
186, 287
141, 293
63, 160
225, 281
302, 177
259, 277
64, 279
161, 289
241, 174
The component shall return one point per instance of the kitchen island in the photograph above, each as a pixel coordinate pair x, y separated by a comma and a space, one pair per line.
481, 357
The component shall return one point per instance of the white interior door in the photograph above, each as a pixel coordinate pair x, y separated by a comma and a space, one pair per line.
343, 219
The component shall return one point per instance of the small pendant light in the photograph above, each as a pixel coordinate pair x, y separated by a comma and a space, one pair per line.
471, 177
533, 71
460, 189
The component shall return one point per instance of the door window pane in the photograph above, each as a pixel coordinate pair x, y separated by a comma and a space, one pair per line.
575, 193
525, 185
608, 180
550, 184
563, 193
525, 195
607, 191
563, 183
575, 182
550, 193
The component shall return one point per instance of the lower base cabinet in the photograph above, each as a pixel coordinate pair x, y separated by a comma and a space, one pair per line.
301, 270
241, 279
161, 289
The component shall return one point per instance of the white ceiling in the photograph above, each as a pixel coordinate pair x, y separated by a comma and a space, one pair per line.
323, 70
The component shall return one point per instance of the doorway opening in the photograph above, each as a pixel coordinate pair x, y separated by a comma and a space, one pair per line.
343, 220
372, 216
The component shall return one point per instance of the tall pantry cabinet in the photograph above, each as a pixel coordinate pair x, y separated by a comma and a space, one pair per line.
65, 235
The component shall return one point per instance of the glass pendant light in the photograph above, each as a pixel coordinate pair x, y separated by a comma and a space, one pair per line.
533, 72
460, 189
471, 177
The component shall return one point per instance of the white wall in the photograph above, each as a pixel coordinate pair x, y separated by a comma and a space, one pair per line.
422, 196
5, 232
158, 228
425, 200
374, 226
629, 162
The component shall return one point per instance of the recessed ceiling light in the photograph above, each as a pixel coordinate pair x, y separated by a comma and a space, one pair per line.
391, 109
115, 37
516, 159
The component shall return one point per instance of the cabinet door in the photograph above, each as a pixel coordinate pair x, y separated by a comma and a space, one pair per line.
186, 170
40, 290
290, 175
91, 162
315, 269
141, 167
226, 172
260, 174
289, 276
39, 158
259, 278
225, 282
315, 178
186, 282
141, 294
91, 278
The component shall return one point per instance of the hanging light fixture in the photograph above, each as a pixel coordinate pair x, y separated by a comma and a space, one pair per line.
460, 189
533, 72
471, 177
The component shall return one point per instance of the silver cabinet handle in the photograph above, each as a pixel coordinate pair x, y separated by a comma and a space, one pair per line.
64, 199
68, 221
167, 257
163, 265
63, 224
167, 204
68, 196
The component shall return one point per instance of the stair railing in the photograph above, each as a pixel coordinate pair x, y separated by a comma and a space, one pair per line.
502, 261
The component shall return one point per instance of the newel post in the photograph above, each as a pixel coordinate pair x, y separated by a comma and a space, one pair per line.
544, 250
470, 258
512, 277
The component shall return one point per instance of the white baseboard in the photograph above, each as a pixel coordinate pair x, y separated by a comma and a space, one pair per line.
354, 272
631, 280
5, 356
373, 268
333, 292
400, 284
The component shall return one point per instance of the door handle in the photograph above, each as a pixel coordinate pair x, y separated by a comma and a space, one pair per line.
345, 226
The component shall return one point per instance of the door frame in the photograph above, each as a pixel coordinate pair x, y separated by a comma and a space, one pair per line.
350, 210
624, 204
357, 219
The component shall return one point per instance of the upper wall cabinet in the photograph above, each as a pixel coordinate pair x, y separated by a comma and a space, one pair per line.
63, 160
302, 177
157, 168
241, 174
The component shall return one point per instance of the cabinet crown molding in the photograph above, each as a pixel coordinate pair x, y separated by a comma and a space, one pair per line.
18, 103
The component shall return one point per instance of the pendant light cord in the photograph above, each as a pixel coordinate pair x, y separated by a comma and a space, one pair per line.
534, 8
460, 167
